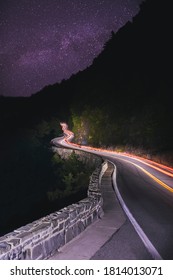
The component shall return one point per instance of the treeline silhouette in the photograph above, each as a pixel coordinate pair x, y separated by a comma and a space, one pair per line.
122, 99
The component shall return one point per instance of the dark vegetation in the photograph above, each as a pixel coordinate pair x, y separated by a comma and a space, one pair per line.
35, 181
122, 100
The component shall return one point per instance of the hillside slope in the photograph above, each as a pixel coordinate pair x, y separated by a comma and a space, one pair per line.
130, 83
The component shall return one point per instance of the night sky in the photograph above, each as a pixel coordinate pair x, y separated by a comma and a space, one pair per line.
45, 41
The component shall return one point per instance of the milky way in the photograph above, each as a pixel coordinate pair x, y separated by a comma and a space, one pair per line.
45, 41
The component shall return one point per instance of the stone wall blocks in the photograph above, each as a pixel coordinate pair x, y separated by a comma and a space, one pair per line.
81, 226
25, 228
88, 221
5, 257
61, 226
41, 238
54, 243
16, 253
25, 236
41, 228
14, 242
66, 223
80, 208
37, 251
4, 247
68, 234
26, 254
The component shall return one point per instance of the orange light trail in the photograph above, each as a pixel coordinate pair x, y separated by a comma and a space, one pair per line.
151, 176
150, 161
69, 135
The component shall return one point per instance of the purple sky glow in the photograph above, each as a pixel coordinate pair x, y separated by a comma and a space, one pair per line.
45, 41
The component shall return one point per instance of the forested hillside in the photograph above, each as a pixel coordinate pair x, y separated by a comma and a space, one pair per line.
130, 84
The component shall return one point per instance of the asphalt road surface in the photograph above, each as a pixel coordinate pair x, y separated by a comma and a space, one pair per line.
125, 244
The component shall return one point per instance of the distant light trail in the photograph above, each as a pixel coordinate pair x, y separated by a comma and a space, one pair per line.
69, 135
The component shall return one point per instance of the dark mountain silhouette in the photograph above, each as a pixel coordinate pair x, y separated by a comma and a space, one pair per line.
130, 79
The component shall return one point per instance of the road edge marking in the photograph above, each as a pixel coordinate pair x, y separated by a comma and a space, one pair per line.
147, 243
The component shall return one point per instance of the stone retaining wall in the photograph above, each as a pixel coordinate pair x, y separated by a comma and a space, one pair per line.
40, 239
85, 157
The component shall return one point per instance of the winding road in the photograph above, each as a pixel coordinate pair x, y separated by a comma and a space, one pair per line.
145, 191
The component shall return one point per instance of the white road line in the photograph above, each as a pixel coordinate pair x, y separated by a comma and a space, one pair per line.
151, 249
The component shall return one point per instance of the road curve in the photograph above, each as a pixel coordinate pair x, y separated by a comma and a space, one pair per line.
145, 191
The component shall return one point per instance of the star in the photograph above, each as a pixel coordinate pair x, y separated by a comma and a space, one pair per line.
44, 42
